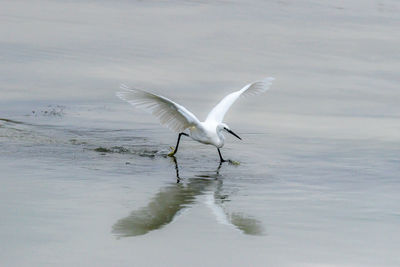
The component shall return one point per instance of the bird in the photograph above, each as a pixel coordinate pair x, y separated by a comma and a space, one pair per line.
178, 119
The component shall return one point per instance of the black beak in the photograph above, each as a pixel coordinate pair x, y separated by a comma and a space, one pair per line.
232, 133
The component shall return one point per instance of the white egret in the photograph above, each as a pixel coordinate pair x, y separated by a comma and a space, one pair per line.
178, 118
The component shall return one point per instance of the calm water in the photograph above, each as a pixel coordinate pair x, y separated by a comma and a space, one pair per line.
85, 180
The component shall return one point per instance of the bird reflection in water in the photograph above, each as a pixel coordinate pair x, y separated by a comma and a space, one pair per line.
172, 199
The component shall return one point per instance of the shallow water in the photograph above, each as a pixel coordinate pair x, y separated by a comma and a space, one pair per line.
86, 180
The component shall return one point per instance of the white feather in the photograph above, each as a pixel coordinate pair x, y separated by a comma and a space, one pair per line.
218, 112
169, 113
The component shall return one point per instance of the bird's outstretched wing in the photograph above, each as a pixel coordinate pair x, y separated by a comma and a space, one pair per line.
169, 113
218, 112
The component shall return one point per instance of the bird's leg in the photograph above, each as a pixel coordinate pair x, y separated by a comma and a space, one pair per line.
220, 156
173, 152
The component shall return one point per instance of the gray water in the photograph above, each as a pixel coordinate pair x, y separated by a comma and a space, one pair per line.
85, 178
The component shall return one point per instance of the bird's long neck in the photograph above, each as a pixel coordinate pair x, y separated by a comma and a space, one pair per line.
220, 136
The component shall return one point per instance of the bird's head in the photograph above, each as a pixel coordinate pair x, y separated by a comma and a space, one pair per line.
224, 127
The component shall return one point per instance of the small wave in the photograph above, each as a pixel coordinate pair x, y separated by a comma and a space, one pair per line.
11, 121
143, 152
114, 149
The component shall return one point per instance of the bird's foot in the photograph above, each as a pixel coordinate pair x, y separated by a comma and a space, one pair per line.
172, 153
233, 162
